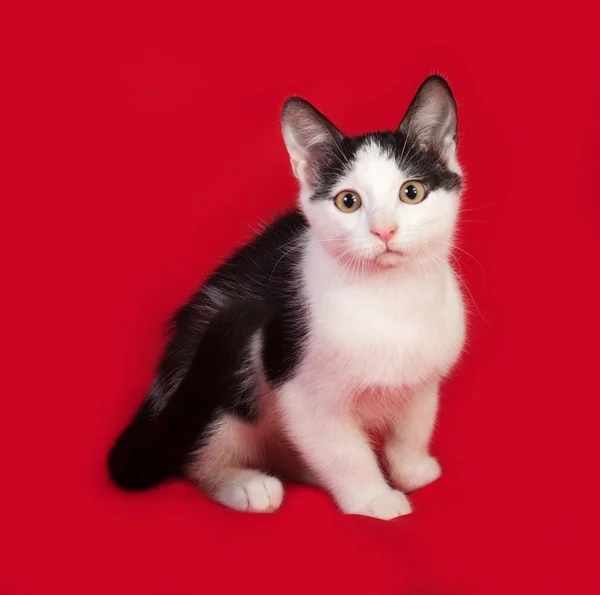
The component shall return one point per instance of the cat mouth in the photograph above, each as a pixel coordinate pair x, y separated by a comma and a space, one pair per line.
389, 251
390, 257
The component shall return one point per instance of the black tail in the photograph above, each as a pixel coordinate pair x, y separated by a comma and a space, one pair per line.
157, 447
136, 461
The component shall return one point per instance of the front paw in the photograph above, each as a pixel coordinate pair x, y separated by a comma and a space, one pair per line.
385, 506
410, 474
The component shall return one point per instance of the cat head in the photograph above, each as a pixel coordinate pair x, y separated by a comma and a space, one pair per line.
386, 198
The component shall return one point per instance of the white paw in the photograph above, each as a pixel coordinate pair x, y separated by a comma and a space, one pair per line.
386, 506
251, 491
412, 474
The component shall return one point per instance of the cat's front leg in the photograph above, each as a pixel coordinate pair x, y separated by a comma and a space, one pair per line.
338, 452
407, 445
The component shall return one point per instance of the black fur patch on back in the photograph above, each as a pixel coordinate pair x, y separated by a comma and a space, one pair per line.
263, 271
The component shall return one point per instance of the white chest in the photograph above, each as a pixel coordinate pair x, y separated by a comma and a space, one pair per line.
387, 331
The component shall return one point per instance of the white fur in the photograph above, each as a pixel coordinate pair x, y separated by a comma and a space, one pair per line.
410, 467
248, 490
384, 332
385, 328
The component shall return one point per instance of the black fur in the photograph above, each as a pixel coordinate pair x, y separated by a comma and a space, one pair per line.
258, 288
424, 164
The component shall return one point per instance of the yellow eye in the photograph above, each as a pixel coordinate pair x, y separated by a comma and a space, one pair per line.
348, 201
412, 192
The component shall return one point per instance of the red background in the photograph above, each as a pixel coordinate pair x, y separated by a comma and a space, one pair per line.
142, 144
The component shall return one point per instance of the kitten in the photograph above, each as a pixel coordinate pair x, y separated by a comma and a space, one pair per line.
339, 320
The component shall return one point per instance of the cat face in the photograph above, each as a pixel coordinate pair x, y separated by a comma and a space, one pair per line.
383, 198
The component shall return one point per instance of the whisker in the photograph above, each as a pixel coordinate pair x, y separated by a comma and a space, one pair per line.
459, 276
336, 259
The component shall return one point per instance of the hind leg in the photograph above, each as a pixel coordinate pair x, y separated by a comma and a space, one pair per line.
228, 466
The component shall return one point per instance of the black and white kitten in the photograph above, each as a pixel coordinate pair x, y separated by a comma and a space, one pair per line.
339, 320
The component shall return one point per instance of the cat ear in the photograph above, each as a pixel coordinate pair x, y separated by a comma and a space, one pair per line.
309, 137
431, 118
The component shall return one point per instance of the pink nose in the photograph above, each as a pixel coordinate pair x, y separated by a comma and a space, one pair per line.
384, 232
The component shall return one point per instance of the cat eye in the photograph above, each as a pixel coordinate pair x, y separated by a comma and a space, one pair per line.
347, 201
412, 192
